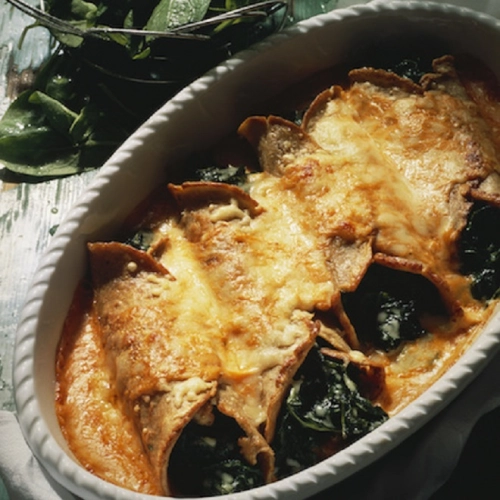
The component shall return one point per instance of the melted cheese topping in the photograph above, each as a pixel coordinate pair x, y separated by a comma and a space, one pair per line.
93, 420
266, 276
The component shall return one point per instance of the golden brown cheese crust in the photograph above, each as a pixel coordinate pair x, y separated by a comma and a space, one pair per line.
164, 363
99, 432
237, 285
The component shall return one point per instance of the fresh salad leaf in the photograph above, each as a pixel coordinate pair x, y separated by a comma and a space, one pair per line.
80, 14
26, 137
58, 116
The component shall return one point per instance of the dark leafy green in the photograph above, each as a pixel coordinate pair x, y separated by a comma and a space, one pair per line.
93, 93
151, 15
393, 303
206, 461
479, 250
406, 56
228, 175
324, 405
61, 126
141, 240
324, 398
296, 447
169, 14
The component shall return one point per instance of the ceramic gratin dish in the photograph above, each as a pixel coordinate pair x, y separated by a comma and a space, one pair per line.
198, 116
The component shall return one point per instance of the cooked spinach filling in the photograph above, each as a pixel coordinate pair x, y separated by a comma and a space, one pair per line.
325, 398
297, 447
479, 250
141, 240
406, 56
206, 461
393, 304
228, 175
324, 409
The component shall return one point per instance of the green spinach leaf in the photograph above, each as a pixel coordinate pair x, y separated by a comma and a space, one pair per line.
170, 14
26, 138
93, 93
58, 116
64, 125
